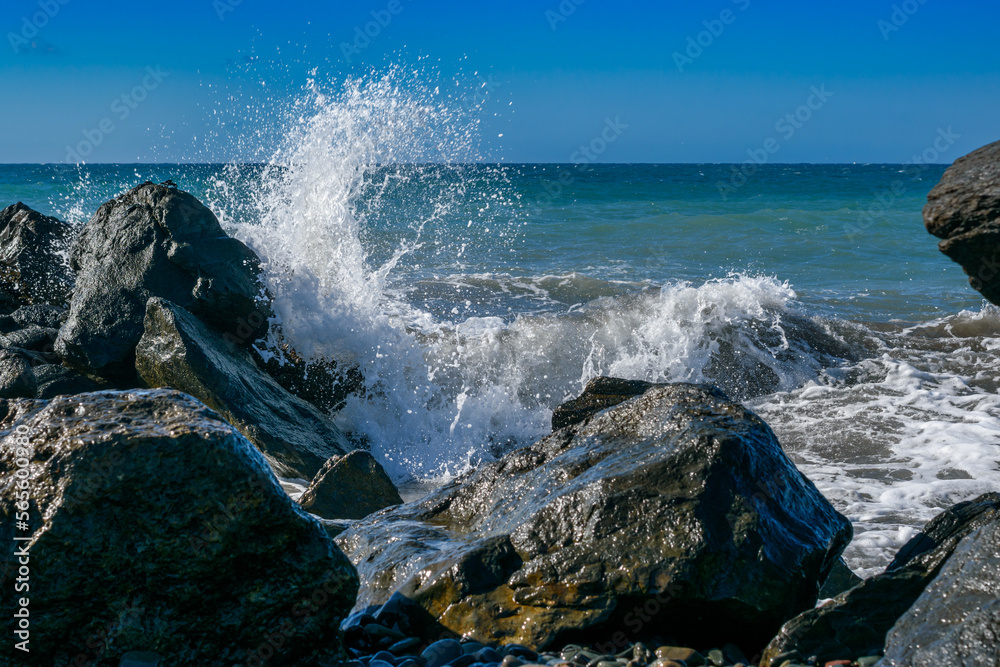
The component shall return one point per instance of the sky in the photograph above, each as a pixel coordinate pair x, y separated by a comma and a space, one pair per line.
707, 81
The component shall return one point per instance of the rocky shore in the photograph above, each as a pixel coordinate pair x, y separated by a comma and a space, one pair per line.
144, 437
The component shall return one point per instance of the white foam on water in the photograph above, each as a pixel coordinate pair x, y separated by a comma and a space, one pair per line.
892, 427
895, 439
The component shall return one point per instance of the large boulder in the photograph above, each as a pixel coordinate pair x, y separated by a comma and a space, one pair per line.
854, 624
33, 266
350, 487
152, 525
675, 513
964, 210
155, 241
177, 350
956, 620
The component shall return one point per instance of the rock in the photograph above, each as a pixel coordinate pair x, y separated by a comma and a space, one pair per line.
350, 487
17, 379
963, 209
956, 620
677, 506
841, 578
178, 351
151, 516
34, 338
33, 266
39, 315
855, 623
323, 383
599, 394
155, 241
61, 381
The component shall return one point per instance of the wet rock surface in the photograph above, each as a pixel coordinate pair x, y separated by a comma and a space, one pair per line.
855, 623
155, 240
350, 487
599, 394
149, 515
956, 620
177, 350
33, 268
964, 210
674, 513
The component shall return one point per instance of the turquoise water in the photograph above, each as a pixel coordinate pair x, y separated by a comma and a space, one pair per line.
475, 298
822, 228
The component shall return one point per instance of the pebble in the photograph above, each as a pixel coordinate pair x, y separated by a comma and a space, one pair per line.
679, 653
716, 657
404, 645
868, 660
441, 652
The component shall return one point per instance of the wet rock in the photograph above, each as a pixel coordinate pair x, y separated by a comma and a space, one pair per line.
956, 620
350, 487
324, 383
855, 623
179, 351
677, 507
155, 241
56, 380
150, 515
34, 338
39, 315
963, 209
17, 379
599, 394
33, 268
841, 578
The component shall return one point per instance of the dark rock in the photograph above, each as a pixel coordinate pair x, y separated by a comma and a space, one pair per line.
40, 315
855, 623
841, 578
155, 241
178, 351
151, 516
61, 381
17, 379
599, 394
678, 504
964, 210
350, 487
324, 383
33, 267
956, 620
34, 338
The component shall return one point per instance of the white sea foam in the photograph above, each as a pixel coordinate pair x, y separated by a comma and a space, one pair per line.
891, 426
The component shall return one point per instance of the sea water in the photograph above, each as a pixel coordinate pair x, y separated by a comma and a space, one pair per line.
475, 297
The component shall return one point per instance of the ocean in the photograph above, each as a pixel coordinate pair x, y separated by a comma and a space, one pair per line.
477, 297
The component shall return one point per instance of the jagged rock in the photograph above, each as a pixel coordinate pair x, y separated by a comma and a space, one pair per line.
963, 209
150, 517
39, 315
321, 382
155, 241
17, 379
677, 505
350, 487
956, 620
855, 623
841, 578
599, 394
33, 266
34, 338
178, 351
54, 380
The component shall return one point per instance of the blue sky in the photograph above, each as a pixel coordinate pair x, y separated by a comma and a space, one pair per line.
686, 82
